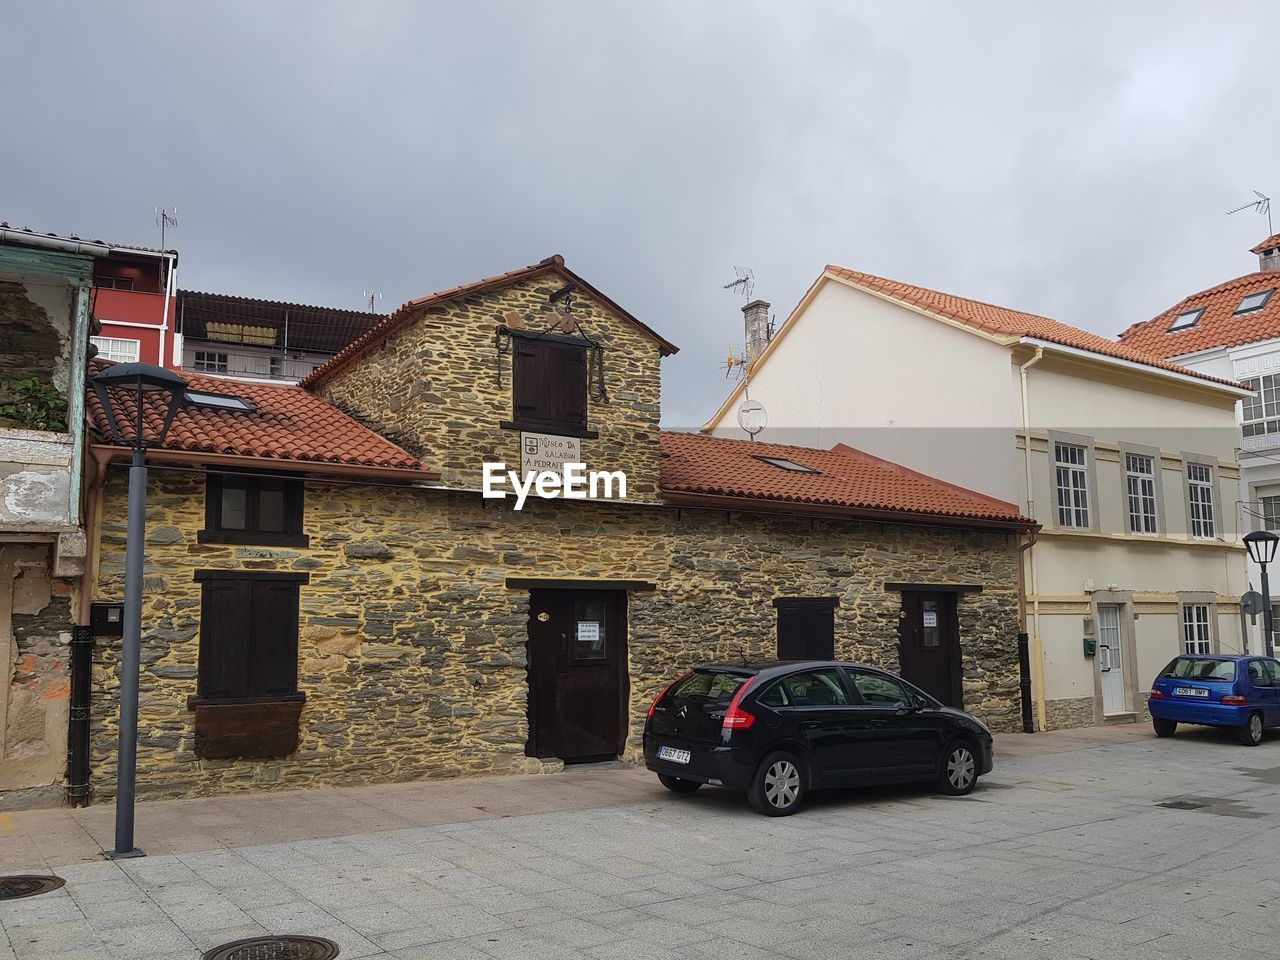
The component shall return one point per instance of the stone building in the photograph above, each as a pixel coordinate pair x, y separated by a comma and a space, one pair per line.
330, 598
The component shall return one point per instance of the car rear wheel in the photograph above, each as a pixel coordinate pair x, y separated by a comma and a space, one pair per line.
1251, 733
1164, 728
676, 785
779, 785
959, 769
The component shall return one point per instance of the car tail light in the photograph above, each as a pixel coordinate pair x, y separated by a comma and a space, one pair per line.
1157, 695
735, 718
1234, 700
664, 692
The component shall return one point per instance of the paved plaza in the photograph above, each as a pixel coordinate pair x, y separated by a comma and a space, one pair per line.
1069, 849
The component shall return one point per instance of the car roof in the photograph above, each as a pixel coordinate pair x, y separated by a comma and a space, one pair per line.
1234, 657
779, 666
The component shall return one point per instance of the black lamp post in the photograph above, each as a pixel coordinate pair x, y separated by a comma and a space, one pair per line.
1262, 550
131, 391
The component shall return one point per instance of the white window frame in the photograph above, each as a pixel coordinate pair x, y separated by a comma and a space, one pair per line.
1260, 413
109, 349
1140, 492
1071, 484
211, 361
1197, 632
1201, 518
1269, 513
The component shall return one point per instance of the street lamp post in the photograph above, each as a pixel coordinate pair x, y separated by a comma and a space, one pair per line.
1261, 545
135, 392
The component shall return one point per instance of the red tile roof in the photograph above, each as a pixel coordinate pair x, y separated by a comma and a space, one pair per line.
848, 481
1271, 241
289, 424
406, 312
990, 318
1218, 326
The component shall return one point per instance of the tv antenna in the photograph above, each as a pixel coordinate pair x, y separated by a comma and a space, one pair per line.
745, 282
1260, 206
372, 296
165, 218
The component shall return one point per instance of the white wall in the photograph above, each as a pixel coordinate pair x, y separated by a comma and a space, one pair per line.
858, 370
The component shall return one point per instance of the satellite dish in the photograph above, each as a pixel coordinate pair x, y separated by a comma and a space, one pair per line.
752, 417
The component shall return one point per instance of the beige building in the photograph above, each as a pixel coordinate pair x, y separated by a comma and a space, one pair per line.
1125, 459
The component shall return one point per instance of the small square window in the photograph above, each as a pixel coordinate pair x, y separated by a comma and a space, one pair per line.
1187, 318
785, 464
248, 508
1254, 301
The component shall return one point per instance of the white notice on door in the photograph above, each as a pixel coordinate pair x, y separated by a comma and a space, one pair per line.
931, 618
589, 633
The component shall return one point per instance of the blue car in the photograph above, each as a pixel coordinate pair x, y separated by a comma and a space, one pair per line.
1217, 691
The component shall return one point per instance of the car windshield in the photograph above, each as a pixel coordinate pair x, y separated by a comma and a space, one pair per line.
1199, 668
708, 685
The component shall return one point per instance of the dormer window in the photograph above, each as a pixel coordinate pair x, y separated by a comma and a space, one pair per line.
549, 384
1187, 318
784, 464
1254, 301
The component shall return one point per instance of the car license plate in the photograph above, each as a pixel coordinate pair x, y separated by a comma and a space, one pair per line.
674, 755
1189, 692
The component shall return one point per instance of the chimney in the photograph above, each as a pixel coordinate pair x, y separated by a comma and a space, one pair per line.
1268, 252
756, 315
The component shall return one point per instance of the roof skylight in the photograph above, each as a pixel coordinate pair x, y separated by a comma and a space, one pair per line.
1187, 318
784, 464
219, 401
1254, 301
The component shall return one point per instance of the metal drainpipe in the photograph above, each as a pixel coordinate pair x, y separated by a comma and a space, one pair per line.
1024, 643
1035, 652
81, 706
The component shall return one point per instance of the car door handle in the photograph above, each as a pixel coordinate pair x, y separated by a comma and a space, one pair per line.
811, 724
879, 723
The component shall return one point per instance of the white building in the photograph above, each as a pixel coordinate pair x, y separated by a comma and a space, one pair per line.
1126, 460
1232, 331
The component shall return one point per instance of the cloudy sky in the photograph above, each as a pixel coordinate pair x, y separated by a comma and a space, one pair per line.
1074, 160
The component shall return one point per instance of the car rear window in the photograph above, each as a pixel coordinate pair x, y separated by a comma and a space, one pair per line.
1198, 668
711, 686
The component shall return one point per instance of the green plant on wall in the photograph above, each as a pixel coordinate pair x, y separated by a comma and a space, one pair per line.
33, 405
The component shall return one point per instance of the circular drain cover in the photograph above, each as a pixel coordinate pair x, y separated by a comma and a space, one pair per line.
275, 948
15, 888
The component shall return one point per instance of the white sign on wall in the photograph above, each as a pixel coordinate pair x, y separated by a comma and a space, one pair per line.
544, 451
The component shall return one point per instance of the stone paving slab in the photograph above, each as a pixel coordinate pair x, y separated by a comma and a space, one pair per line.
1063, 852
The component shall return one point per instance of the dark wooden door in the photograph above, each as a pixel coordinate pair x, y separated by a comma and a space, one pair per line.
577, 673
929, 649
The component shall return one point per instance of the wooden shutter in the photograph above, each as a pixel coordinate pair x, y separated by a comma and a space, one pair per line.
248, 638
549, 383
806, 628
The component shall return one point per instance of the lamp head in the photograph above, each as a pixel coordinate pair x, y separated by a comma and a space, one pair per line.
132, 381
1261, 545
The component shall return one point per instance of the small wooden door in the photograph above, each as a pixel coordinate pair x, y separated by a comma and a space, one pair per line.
577, 651
929, 650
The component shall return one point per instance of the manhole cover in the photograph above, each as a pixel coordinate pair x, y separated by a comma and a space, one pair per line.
1183, 805
15, 888
275, 948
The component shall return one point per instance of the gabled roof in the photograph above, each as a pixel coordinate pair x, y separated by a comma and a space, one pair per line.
697, 468
1219, 325
288, 425
406, 312
1005, 322
298, 325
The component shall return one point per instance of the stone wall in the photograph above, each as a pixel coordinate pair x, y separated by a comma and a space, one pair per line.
1062, 714
412, 648
440, 388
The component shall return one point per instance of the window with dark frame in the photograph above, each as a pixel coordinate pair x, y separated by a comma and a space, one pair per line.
209, 362
549, 384
1187, 318
248, 508
1254, 301
248, 636
806, 628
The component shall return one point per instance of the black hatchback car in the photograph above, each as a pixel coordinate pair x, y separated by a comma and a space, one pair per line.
778, 730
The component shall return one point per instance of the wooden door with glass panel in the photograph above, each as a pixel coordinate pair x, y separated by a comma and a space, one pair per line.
577, 673
929, 644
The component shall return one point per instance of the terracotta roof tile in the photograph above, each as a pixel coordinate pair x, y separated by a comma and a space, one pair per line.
990, 318
1219, 325
846, 479
288, 424
404, 313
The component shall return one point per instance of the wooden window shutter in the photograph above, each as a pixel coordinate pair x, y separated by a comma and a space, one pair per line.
549, 383
806, 628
